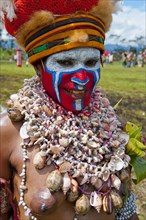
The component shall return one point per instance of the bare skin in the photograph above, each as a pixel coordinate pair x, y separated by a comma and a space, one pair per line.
57, 207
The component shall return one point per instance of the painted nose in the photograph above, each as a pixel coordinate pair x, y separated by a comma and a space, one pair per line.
80, 78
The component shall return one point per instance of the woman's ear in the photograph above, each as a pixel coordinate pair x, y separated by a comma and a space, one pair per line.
39, 67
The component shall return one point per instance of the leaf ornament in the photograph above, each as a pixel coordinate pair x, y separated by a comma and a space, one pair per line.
133, 130
136, 150
134, 146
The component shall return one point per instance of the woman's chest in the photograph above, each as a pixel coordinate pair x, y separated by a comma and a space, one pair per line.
30, 188
34, 195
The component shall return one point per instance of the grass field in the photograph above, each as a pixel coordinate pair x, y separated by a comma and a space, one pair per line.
117, 82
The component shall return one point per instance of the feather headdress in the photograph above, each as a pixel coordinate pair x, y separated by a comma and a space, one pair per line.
8, 7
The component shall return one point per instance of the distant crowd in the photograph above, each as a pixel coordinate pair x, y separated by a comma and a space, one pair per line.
130, 59
127, 58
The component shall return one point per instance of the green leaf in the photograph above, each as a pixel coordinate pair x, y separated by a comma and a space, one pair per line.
130, 127
139, 166
135, 133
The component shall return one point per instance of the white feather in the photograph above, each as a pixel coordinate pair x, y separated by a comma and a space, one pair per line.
8, 7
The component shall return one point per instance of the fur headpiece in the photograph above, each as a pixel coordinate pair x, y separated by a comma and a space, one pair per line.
44, 27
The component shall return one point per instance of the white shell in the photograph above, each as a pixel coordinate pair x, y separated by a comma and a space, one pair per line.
64, 142
66, 183
116, 182
116, 163
14, 97
23, 131
96, 201
93, 145
85, 179
84, 139
124, 137
105, 174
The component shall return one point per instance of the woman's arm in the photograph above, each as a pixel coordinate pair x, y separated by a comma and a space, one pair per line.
5, 168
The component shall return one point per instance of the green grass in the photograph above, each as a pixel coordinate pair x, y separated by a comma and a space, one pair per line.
117, 82
11, 79
119, 79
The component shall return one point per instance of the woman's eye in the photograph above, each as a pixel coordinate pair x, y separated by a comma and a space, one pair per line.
65, 63
91, 63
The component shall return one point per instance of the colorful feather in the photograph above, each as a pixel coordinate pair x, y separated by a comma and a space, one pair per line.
8, 7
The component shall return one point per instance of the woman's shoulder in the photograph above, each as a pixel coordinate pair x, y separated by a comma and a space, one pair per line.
9, 131
7, 125
9, 134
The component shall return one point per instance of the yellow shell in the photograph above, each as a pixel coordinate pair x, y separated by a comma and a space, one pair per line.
116, 199
82, 205
39, 161
54, 181
65, 167
74, 185
47, 110
72, 196
15, 114
107, 204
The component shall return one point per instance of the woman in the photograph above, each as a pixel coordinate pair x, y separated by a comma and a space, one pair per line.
63, 149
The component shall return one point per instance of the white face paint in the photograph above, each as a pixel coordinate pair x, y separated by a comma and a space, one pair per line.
79, 58
70, 76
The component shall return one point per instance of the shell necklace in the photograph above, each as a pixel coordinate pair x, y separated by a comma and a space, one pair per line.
86, 149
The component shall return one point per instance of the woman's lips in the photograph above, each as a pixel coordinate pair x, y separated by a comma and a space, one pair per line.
76, 94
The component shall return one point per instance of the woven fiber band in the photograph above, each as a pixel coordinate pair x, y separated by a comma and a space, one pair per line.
64, 34
128, 210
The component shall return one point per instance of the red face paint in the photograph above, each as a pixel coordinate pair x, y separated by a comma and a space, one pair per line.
71, 89
69, 77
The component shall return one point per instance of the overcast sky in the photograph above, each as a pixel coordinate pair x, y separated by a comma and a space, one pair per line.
129, 23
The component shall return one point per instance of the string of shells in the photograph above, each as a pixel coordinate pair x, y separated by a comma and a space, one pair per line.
87, 149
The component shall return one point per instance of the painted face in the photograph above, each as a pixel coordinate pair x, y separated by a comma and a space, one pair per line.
69, 77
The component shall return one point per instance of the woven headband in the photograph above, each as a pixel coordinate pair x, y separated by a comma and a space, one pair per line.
67, 32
